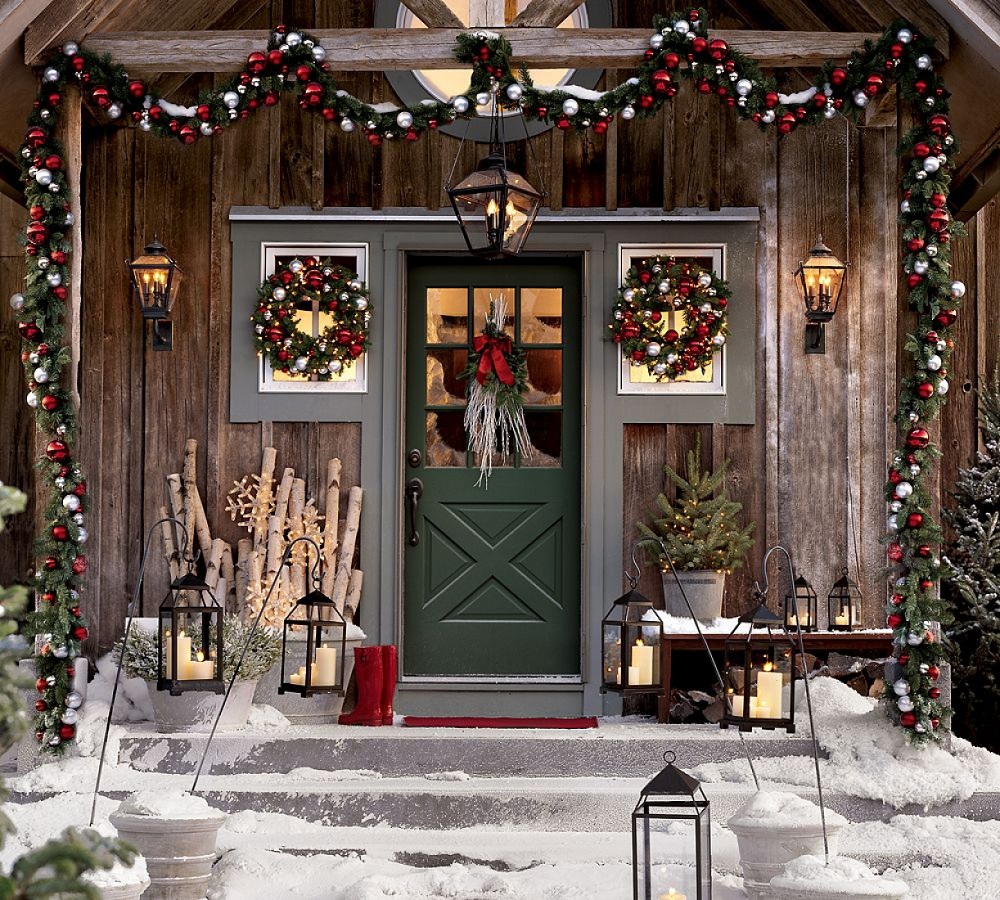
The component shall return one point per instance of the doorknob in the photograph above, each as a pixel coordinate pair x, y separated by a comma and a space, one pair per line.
414, 491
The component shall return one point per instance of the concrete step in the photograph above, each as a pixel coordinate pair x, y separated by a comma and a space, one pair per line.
613, 750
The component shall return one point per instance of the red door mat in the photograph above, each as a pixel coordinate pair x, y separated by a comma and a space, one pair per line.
496, 722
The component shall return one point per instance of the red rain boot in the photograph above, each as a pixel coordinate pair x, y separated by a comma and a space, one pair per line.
390, 666
368, 672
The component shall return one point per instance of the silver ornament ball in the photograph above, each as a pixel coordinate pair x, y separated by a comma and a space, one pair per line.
904, 35
17, 302
957, 289
43, 177
570, 107
901, 687
656, 41
628, 112
71, 48
74, 700
404, 119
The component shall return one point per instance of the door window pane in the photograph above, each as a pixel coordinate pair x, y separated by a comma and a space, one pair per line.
545, 433
444, 387
544, 377
445, 439
447, 315
482, 297
541, 315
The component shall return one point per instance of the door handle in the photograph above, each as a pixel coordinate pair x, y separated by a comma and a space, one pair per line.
414, 491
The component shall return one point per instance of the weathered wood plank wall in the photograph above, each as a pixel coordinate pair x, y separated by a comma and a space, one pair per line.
822, 421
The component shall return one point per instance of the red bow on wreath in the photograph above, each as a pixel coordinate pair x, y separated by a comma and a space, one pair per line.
493, 357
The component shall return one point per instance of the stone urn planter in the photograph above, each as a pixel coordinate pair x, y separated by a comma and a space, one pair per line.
811, 878
176, 833
704, 589
318, 710
194, 711
772, 829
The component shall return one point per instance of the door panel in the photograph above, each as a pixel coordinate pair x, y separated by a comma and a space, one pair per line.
493, 585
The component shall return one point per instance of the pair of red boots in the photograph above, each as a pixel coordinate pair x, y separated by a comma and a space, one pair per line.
375, 671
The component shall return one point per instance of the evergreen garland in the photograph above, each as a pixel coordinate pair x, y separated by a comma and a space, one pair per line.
680, 48
972, 583
700, 530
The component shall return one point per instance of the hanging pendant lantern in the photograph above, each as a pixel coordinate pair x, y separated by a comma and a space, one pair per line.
821, 282
495, 206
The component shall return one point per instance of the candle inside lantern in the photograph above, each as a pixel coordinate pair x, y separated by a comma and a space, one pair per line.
199, 669
633, 675
183, 656
740, 705
804, 620
769, 685
842, 619
673, 895
325, 667
642, 659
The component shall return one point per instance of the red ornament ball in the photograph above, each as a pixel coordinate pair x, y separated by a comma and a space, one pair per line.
894, 620
939, 125
41, 685
908, 719
57, 451
874, 84
67, 732
914, 520
926, 584
81, 633
79, 565
925, 391
918, 438
50, 402
946, 318
897, 599
60, 532
51, 563
41, 706
895, 553
933, 673
838, 76
904, 658
937, 220
934, 693
924, 551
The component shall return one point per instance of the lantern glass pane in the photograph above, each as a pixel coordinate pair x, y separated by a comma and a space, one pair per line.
760, 683
820, 279
156, 280
190, 639
496, 208
672, 850
806, 604
844, 605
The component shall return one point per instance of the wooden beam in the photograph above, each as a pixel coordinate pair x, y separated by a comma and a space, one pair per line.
545, 13
387, 49
65, 20
16, 16
433, 13
882, 112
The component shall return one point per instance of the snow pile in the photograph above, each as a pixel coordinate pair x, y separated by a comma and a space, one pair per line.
132, 703
780, 809
168, 805
448, 776
869, 757
574, 90
686, 625
841, 875
266, 718
119, 873
305, 773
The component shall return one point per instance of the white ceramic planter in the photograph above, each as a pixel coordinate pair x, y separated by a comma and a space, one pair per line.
704, 590
317, 710
124, 891
194, 711
179, 852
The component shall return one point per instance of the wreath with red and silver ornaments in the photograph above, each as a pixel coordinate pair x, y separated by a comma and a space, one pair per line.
312, 284
651, 293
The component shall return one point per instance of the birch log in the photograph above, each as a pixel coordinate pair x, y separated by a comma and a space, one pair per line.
244, 551
284, 490
353, 600
351, 525
189, 479
274, 550
300, 555
332, 509
175, 493
202, 531
261, 533
213, 565
227, 573
169, 547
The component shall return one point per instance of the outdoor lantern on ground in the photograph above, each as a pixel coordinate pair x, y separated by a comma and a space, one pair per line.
672, 797
630, 657
843, 604
495, 206
190, 634
326, 647
804, 612
760, 666
155, 282
821, 281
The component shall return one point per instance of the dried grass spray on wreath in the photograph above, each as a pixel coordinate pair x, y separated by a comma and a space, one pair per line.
641, 316
312, 285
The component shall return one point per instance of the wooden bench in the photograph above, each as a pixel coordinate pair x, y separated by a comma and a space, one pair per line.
874, 644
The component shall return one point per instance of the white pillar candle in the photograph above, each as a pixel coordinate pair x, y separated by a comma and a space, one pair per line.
294, 678
326, 665
642, 659
200, 669
673, 895
740, 705
842, 619
769, 685
183, 658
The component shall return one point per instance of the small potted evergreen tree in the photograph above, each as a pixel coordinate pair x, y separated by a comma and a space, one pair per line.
703, 535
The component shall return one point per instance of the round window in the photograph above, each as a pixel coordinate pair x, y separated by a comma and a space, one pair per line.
442, 84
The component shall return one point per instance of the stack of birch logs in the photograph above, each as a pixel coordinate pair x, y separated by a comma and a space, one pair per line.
274, 516
186, 506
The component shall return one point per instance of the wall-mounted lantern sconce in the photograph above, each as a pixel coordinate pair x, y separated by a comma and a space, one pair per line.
155, 281
821, 281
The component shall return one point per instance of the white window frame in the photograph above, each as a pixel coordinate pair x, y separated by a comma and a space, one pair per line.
715, 387
269, 253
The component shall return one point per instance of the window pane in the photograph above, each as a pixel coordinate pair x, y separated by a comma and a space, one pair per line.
444, 387
541, 315
445, 439
545, 433
482, 297
544, 377
447, 316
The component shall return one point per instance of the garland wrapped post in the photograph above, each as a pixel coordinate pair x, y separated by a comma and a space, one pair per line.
680, 49
497, 374
640, 320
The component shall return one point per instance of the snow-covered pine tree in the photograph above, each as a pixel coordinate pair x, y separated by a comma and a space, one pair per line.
700, 530
973, 581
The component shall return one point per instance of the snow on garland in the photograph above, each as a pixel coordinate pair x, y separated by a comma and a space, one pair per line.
680, 48
654, 290
334, 290
497, 373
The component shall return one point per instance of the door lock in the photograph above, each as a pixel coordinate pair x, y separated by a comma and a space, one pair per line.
414, 458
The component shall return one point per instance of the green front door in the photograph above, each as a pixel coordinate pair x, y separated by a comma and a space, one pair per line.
492, 575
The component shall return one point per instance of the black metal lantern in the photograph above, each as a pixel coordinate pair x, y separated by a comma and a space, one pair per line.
672, 796
325, 647
495, 206
156, 279
843, 604
821, 281
630, 656
759, 665
803, 613
190, 634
